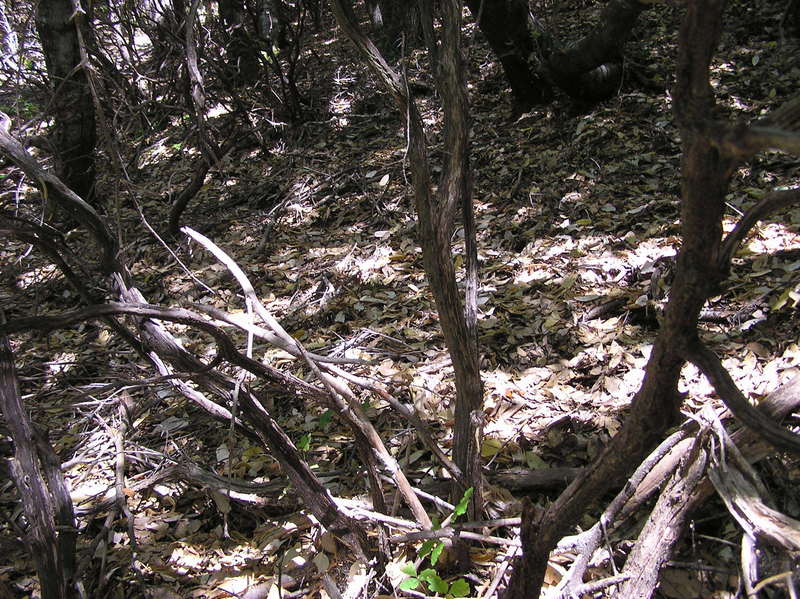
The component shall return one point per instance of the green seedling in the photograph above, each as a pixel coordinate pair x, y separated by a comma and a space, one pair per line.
325, 419
433, 582
432, 549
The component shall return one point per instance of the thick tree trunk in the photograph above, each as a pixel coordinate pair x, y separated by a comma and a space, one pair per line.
656, 406
242, 56
506, 24
73, 110
591, 69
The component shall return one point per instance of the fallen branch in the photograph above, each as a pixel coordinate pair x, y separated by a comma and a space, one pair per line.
340, 398
772, 202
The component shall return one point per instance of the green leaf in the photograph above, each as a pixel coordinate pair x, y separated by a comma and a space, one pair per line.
326, 418
304, 443
437, 551
459, 588
426, 548
409, 568
461, 508
437, 585
427, 575
409, 584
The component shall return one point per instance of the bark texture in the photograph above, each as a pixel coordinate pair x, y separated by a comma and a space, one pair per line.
436, 215
75, 135
656, 406
41, 487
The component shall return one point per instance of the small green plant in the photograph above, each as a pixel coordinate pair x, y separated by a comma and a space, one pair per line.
432, 549
325, 419
304, 442
434, 582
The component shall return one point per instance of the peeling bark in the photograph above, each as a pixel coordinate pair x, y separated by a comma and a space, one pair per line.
436, 219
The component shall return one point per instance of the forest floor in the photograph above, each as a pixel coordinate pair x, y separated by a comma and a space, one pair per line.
578, 223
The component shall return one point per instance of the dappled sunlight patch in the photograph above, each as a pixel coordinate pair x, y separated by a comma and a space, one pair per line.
372, 267
159, 150
574, 211
62, 363
771, 237
48, 272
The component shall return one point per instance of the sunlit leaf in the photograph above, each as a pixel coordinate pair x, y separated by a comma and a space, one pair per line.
459, 588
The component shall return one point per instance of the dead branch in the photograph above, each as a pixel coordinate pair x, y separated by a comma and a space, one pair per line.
664, 526
586, 543
710, 365
740, 487
340, 396
53, 553
772, 202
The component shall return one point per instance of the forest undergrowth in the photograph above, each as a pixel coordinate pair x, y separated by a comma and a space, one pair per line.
577, 214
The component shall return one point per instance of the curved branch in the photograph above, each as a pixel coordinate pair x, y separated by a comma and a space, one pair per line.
772, 202
225, 346
586, 543
52, 187
754, 419
779, 130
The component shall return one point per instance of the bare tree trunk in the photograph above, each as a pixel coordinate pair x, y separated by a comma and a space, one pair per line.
75, 135
656, 406
41, 488
506, 26
436, 219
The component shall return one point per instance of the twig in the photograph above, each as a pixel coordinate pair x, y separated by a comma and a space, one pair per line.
501, 571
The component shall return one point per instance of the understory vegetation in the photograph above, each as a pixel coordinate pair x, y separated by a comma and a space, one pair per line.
306, 324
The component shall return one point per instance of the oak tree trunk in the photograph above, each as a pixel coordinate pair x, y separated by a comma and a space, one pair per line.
506, 24
656, 406
72, 106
